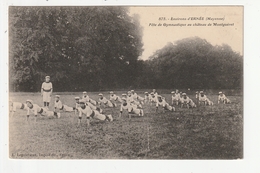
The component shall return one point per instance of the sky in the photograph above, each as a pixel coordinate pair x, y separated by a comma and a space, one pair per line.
156, 37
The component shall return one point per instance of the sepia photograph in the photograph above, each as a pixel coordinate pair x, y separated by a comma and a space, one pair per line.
126, 82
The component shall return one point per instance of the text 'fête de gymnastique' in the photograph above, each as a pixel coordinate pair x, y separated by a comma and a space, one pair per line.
191, 21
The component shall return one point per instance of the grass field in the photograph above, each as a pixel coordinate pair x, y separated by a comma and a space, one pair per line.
205, 132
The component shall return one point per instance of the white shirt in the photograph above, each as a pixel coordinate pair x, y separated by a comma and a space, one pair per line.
161, 103
187, 100
154, 98
134, 96
115, 97
127, 106
47, 86
87, 111
204, 98
155, 94
223, 97
91, 106
139, 97
104, 100
147, 96
35, 109
176, 96
58, 104
85, 98
77, 105
130, 98
18, 105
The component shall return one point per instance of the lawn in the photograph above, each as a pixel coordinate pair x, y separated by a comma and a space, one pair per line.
205, 132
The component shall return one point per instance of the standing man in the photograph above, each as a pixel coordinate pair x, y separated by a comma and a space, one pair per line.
46, 92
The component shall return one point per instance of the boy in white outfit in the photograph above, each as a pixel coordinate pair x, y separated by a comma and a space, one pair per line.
86, 110
46, 92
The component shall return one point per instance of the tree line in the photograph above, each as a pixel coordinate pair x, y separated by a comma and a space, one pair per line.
194, 63
97, 48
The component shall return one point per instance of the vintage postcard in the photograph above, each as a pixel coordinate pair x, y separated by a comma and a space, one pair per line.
126, 82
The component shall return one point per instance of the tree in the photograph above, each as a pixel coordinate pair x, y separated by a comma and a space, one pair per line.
79, 47
195, 63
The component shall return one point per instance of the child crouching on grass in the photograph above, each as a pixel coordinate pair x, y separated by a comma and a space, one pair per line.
131, 109
16, 105
59, 106
35, 109
162, 102
86, 110
222, 98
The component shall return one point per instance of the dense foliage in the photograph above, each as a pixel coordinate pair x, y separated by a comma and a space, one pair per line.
194, 63
95, 48
79, 47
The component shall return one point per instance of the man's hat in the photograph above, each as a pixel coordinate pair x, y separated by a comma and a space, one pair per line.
184, 94
111, 92
100, 94
76, 98
123, 94
220, 92
129, 92
132, 90
85, 92
58, 96
146, 92
30, 101
47, 77
172, 92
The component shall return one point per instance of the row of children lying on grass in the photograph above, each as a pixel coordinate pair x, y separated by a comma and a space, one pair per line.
130, 102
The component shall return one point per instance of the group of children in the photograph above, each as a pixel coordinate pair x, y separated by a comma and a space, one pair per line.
131, 102
202, 99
